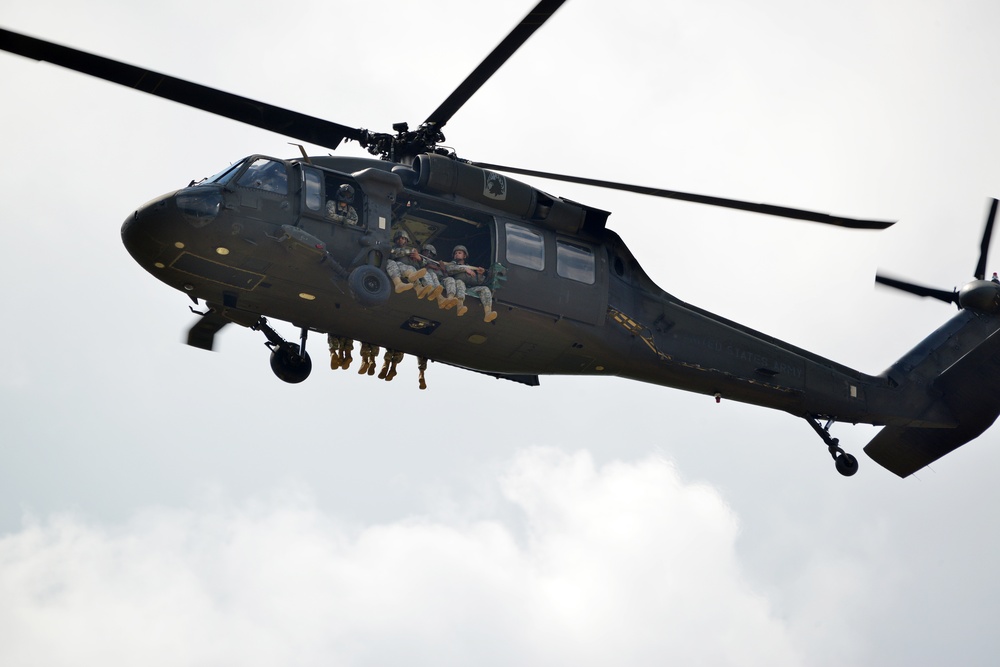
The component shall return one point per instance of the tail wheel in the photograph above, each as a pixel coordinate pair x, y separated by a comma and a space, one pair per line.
846, 464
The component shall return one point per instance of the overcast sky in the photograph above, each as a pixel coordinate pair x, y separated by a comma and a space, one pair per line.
164, 505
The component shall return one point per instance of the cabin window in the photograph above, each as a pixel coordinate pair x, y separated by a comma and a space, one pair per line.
266, 175
575, 262
314, 189
525, 247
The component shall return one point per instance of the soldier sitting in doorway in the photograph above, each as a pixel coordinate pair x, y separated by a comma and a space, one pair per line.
432, 279
406, 263
463, 278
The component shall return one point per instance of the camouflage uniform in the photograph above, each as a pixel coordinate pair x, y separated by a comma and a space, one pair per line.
340, 351
432, 279
402, 265
341, 209
369, 353
389, 361
464, 279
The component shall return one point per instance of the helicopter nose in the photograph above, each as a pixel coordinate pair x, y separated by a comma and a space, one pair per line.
168, 222
142, 230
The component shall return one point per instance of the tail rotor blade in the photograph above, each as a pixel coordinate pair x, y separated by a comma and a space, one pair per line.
919, 290
984, 247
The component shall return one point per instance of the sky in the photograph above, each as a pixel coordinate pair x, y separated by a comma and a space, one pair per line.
167, 505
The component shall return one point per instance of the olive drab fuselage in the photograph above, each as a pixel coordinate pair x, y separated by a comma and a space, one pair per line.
257, 241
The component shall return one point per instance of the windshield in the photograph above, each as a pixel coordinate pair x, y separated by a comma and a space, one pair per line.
267, 175
224, 175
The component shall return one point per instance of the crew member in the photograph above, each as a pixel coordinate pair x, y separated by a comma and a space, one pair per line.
463, 279
341, 209
406, 263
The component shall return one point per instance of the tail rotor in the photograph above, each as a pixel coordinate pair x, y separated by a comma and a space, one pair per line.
979, 294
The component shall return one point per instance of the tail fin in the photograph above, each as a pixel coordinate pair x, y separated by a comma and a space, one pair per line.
970, 389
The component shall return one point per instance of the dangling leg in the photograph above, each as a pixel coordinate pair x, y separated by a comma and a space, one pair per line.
346, 346
421, 367
448, 301
394, 359
392, 268
460, 295
368, 354
413, 277
486, 297
386, 360
334, 344
366, 351
434, 293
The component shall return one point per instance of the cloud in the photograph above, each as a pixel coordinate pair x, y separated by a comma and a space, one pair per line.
622, 564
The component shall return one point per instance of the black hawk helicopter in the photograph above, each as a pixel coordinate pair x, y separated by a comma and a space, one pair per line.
310, 241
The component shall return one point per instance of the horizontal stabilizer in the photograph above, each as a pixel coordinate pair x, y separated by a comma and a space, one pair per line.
904, 450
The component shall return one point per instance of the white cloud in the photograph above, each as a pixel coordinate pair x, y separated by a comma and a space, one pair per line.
624, 564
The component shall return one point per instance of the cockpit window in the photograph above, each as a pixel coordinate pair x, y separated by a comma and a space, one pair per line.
266, 175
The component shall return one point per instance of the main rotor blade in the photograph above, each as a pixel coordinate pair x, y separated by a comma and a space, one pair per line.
984, 247
767, 209
289, 123
919, 290
518, 36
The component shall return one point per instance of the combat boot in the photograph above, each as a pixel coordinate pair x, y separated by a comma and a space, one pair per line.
446, 303
436, 292
400, 285
462, 308
490, 314
346, 363
423, 290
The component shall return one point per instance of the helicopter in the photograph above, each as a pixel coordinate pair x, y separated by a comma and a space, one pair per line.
255, 242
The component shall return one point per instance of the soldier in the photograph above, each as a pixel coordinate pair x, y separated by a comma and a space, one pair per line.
463, 279
341, 210
433, 276
340, 351
405, 263
369, 354
421, 367
389, 361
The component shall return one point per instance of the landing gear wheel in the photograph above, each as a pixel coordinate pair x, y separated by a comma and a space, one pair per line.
289, 365
369, 285
846, 464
